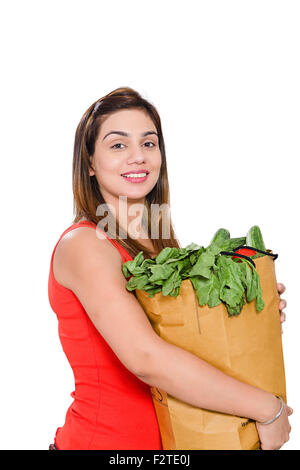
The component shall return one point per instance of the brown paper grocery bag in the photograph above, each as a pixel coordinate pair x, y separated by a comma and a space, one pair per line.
247, 346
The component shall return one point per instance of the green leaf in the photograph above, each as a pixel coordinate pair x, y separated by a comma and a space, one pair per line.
202, 267
193, 258
175, 292
153, 291
160, 272
125, 270
248, 283
231, 286
214, 294
132, 264
171, 283
236, 309
193, 247
203, 287
138, 270
165, 254
147, 262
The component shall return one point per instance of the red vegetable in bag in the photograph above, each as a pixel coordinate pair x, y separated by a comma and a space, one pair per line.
245, 251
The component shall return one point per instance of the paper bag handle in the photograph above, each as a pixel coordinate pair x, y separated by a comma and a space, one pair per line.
232, 253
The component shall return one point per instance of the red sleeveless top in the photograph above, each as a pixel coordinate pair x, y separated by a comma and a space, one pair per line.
112, 408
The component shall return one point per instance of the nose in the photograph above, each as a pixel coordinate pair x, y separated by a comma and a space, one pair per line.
136, 155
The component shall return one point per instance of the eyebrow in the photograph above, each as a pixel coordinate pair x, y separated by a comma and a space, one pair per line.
125, 134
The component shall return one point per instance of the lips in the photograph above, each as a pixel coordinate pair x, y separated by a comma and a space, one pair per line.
135, 179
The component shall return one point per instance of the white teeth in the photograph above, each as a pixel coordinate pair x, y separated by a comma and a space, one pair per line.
134, 175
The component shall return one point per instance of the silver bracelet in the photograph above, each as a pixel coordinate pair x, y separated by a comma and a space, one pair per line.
278, 414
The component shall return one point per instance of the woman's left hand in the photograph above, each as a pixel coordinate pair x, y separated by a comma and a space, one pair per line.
282, 303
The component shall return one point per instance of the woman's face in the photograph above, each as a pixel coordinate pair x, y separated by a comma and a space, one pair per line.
122, 147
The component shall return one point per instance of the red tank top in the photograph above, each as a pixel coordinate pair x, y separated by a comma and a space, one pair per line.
112, 408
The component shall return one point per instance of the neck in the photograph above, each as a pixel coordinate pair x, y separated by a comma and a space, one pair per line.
131, 215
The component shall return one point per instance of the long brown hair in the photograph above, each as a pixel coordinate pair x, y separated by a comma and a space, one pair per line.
87, 195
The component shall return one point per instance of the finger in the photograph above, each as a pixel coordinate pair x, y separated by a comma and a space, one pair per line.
282, 304
282, 317
280, 287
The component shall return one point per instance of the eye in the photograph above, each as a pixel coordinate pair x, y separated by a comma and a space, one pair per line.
154, 145
115, 145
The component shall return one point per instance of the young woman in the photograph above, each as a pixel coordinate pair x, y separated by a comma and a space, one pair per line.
114, 353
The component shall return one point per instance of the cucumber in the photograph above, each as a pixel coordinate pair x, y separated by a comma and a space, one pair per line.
254, 238
233, 243
220, 236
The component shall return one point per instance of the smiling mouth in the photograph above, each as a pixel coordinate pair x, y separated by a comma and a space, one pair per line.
136, 178
138, 175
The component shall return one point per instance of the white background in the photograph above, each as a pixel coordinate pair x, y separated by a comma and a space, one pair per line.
224, 76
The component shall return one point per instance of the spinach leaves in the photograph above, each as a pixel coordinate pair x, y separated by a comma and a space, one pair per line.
215, 277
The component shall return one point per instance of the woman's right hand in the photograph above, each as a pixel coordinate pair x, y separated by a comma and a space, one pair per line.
272, 436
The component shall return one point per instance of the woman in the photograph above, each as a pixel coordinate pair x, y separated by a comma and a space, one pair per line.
110, 344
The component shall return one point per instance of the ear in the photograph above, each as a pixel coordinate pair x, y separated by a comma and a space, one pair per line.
91, 170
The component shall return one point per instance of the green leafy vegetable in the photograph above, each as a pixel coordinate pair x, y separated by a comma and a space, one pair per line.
215, 277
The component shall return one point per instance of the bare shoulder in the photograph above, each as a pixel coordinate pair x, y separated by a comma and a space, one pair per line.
82, 247
92, 269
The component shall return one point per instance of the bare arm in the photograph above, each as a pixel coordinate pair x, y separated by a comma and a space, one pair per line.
193, 380
92, 269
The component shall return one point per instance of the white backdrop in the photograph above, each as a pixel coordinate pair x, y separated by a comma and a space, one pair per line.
224, 77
